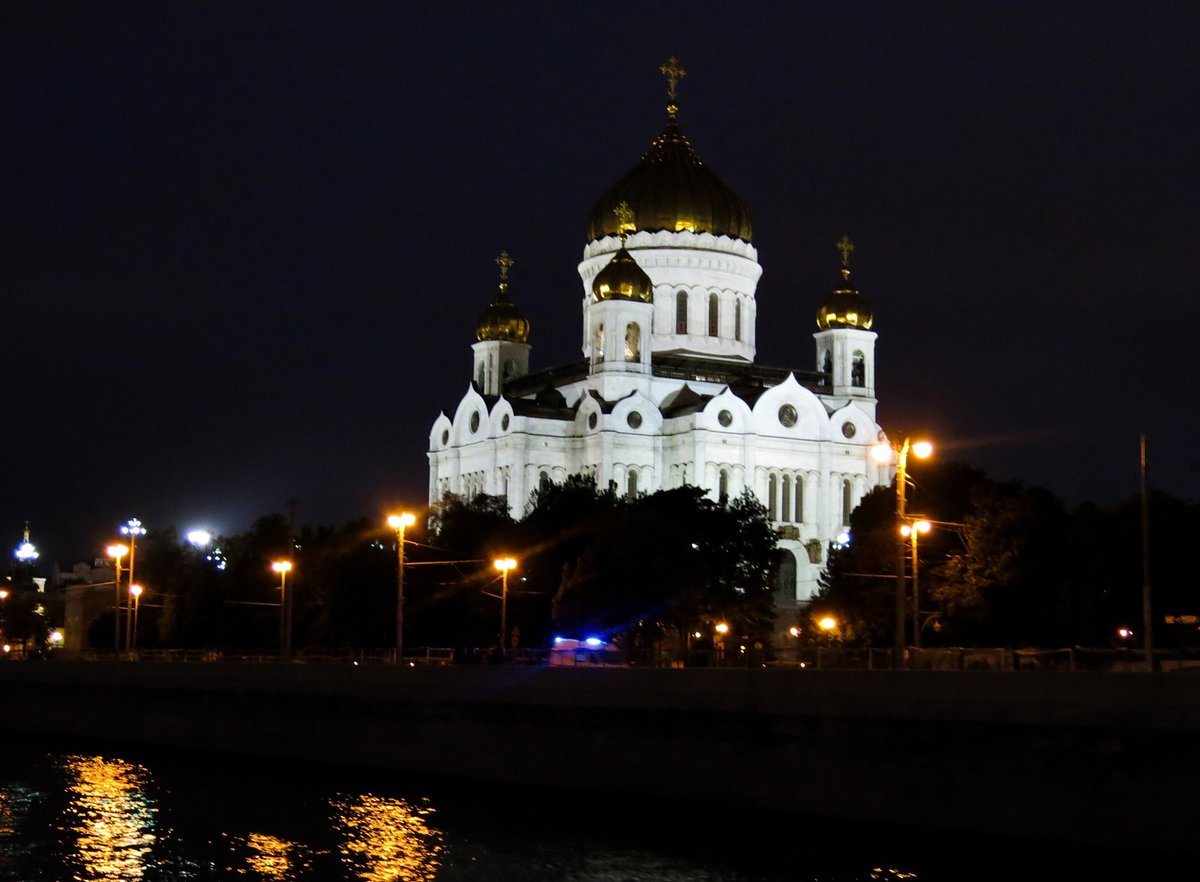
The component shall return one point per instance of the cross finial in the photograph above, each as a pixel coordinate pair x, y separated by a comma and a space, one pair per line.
672, 70
505, 263
624, 219
845, 246
674, 73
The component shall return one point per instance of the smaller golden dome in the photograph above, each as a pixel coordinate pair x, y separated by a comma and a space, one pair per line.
622, 278
502, 320
846, 306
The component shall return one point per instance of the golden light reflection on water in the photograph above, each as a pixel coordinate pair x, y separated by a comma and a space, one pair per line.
272, 858
386, 839
110, 817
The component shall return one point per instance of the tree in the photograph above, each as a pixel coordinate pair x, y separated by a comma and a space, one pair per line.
665, 563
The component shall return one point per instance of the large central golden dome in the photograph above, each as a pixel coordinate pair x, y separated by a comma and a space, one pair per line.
672, 189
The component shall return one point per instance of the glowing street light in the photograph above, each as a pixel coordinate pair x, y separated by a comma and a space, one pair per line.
135, 593
283, 567
400, 522
116, 552
26, 551
504, 564
132, 528
911, 531
882, 452
828, 624
199, 538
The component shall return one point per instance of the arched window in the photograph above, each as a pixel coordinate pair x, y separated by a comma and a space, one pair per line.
681, 312
713, 314
737, 321
786, 515
847, 506
827, 365
723, 486
633, 342
772, 499
631, 484
479, 382
543, 481
598, 343
799, 508
858, 370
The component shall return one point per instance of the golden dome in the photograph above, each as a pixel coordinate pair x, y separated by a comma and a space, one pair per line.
846, 306
672, 189
502, 320
623, 279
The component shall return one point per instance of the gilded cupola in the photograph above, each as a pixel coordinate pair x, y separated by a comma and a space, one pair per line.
622, 278
502, 320
846, 306
671, 188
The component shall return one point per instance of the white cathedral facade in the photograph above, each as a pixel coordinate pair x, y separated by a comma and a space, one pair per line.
668, 392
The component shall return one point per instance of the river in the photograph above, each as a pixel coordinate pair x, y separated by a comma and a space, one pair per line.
96, 812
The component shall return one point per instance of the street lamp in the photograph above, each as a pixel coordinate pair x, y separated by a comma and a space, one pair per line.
399, 522
283, 567
116, 552
882, 452
911, 531
132, 528
135, 591
504, 564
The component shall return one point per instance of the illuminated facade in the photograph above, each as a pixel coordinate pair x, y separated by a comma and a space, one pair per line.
668, 392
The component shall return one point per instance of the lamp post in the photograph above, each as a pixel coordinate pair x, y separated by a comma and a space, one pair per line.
399, 522
116, 552
283, 567
883, 453
131, 528
504, 564
911, 530
135, 592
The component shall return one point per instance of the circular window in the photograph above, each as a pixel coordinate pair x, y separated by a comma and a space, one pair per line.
787, 415
725, 418
475, 421
848, 429
504, 423
634, 419
592, 420
445, 437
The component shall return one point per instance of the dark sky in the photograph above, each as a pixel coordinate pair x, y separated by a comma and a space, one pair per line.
244, 244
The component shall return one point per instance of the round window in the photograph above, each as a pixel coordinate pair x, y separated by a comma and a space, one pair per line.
725, 418
445, 437
787, 415
504, 423
848, 429
475, 421
634, 419
592, 420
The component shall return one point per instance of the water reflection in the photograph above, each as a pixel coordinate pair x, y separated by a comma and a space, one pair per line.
273, 858
109, 816
384, 838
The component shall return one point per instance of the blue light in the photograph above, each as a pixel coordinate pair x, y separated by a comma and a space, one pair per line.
558, 640
594, 642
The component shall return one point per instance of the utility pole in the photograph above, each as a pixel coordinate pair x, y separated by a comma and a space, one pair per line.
1147, 617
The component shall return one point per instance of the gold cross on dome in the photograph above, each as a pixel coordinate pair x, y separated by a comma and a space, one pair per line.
674, 73
845, 246
624, 218
505, 263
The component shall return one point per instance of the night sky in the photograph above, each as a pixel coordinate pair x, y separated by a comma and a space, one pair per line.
244, 244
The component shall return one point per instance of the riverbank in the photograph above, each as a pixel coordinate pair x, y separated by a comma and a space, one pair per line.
1076, 758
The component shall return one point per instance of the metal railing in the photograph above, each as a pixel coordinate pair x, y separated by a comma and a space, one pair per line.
1074, 658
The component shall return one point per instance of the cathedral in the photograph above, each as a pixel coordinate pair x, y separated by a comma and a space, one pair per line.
667, 391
